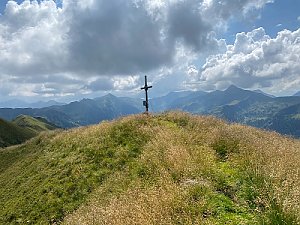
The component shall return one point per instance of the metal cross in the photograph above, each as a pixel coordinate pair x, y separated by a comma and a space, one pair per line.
146, 87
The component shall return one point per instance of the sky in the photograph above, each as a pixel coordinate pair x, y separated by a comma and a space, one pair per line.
72, 49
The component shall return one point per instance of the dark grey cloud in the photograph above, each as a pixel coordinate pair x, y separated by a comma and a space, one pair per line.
32, 39
116, 37
185, 22
122, 37
101, 84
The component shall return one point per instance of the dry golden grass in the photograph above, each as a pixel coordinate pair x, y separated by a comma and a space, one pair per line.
180, 159
189, 170
168, 154
276, 158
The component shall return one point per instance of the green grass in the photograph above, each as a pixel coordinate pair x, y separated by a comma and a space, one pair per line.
11, 134
35, 124
22, 129
51, 175
170, 168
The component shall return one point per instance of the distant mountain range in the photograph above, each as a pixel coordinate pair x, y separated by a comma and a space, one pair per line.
297, 94
258, 109
79, 113
254, 108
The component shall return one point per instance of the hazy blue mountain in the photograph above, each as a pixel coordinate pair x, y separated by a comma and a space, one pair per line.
135, 102
261, 92
287, 121
243, 106
254, 111
78, 113
43, 104
210, 102
297, 94
91, 111
170, 100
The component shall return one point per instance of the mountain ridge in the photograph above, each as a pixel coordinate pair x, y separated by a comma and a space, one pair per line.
297, 94
11, 134
35, 124
21, 129
233, 104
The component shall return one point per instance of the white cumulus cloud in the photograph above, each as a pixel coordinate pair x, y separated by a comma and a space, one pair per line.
256, 60
32, 41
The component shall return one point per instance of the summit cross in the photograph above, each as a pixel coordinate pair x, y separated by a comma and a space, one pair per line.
146, 87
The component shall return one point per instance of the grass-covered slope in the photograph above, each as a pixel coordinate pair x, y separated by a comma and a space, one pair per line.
35, 124
11, 134
166, 169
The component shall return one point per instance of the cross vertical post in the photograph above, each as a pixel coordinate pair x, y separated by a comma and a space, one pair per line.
146, 87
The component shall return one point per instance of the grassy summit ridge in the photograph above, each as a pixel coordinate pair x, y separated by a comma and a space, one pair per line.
22, 129
35, 124
11, 134
171, 168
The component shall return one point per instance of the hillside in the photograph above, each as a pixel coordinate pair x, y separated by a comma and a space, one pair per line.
170, 168
22, 129
35, 124
11, 134
287, 120
52, 115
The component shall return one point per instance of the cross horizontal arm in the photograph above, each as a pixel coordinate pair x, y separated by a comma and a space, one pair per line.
147, 87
